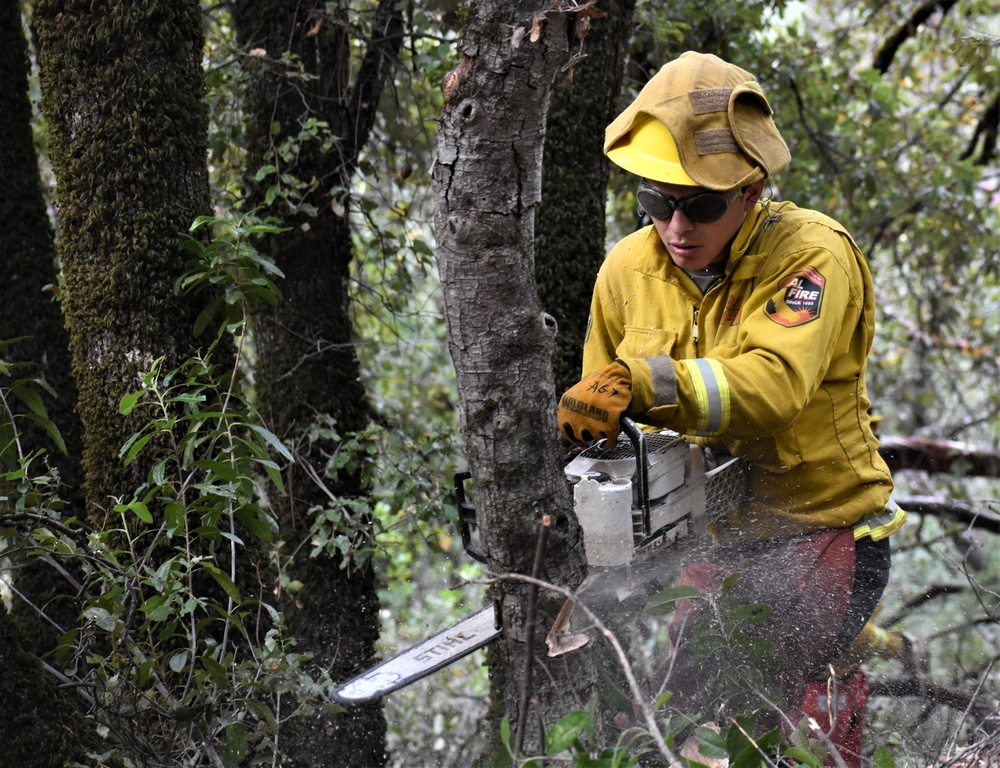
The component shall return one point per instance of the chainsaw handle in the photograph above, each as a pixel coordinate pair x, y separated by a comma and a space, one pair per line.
638, 439
466, 516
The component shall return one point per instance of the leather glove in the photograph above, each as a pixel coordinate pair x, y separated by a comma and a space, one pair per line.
591, 408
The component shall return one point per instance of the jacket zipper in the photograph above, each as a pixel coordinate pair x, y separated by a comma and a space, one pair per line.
694, 331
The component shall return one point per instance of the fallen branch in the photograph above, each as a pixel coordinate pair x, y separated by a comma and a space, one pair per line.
942, 507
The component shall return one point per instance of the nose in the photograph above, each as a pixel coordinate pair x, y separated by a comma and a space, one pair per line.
680, 222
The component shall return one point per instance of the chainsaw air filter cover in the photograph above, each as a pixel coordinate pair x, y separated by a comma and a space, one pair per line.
667, 454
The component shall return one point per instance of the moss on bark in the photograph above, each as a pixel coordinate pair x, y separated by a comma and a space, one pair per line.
306, 360
127, 139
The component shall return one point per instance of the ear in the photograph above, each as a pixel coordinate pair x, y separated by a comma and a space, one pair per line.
752, 195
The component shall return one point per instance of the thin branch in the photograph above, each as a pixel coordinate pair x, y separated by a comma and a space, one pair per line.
932, 692
909, 28
649, 716
531, 621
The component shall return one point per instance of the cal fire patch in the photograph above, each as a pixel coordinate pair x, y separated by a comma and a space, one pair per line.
800, 299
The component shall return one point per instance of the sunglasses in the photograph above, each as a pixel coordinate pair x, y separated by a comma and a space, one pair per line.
701, 207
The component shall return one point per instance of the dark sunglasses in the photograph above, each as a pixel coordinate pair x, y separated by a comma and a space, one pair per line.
701, 207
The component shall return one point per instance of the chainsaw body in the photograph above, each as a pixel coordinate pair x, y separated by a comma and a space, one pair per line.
636, 498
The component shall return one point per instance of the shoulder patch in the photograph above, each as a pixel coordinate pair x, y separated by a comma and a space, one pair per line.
800, 299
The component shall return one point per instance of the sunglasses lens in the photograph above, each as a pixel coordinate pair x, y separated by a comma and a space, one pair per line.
655, 203
706, 207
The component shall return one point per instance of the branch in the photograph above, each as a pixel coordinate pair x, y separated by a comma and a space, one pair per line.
940, 507
816, 139
531, 621
909, 28
932, 692
987, 128
383, 48
941, 456
930, 593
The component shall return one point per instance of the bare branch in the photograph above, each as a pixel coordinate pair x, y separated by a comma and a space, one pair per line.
986, 129
909, 28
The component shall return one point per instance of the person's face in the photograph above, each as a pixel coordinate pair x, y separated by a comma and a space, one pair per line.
693, 245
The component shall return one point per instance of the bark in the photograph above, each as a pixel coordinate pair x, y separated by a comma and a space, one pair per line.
487, 185
570, 230
306, 363
127, 132
30, 311
127, 122
42, 727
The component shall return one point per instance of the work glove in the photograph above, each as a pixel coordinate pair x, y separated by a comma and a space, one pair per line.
592, 407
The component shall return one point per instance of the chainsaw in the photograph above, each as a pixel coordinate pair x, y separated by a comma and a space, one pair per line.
632, 502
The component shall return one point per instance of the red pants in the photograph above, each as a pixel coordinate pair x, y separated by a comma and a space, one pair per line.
838, 706
772, 616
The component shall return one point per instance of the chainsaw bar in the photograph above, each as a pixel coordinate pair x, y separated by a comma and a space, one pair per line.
468, 635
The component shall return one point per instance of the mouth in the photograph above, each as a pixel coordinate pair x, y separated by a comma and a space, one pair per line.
683, 249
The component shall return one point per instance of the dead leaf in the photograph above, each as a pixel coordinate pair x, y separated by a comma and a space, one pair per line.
560, 640
589, 9
691, 750
536, 28
517, 37
316, 27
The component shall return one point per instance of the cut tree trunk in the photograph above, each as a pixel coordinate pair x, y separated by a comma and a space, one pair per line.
487, 182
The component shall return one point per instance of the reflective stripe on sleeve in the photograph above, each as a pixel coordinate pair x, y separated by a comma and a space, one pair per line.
886, 521
712, 391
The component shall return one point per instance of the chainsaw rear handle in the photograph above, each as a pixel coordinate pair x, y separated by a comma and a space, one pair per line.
638, 439
467, 510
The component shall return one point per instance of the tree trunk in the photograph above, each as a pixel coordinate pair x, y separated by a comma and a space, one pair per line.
306, 365
29, 311
487, 184
127, 124
42, 727
127, 133
570, 231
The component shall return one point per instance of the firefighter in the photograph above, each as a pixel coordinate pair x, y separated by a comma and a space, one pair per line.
743, 323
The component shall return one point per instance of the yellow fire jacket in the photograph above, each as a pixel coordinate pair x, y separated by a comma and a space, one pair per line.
769, 365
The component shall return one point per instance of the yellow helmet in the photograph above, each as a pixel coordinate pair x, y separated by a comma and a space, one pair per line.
648, 150
699, 121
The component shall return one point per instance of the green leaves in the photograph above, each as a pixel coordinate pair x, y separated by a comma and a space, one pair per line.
663, 603
19, 402
231, 270
566, 732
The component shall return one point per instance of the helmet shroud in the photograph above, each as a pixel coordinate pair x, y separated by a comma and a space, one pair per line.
699, 121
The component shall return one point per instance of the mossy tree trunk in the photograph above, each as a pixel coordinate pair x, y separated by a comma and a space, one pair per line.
570, 231
306, 365
127, 131
29, 311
